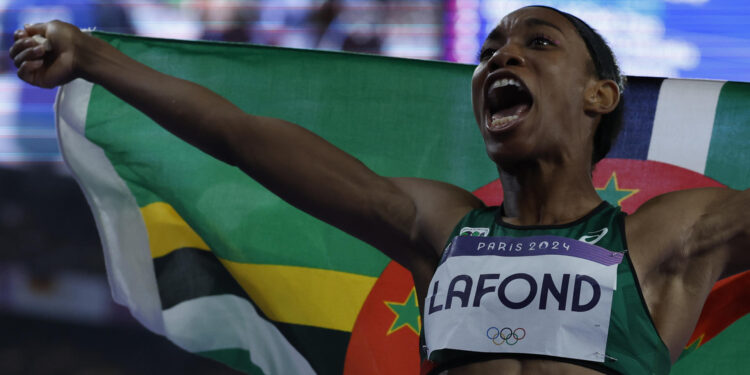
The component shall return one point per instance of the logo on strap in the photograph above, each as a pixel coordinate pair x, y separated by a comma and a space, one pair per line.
474, 232
595, 236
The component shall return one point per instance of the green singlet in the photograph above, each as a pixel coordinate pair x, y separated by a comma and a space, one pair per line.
633, 344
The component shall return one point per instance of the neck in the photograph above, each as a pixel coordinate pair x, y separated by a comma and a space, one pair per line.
547, 193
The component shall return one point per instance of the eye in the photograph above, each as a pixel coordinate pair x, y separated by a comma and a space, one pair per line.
542, 41
486, 53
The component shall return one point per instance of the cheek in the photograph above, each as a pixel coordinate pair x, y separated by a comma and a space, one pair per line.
567, 96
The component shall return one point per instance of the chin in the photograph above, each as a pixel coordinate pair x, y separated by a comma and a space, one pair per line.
507, 157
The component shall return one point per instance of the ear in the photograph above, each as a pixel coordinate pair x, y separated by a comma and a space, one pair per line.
601, 96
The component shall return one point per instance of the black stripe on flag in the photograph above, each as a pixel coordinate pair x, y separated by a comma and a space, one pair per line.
641, 95
190, 273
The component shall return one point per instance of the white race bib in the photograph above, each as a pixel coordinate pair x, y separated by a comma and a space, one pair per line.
544, 295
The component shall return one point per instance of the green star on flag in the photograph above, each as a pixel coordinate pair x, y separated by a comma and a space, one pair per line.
407, 314
612, 192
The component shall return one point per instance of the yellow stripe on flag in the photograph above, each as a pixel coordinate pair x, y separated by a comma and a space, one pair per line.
287, 294
301, 295
167, 231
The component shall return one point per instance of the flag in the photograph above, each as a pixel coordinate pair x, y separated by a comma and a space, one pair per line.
205, 256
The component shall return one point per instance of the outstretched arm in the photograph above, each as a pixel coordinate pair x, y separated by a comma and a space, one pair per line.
292, 162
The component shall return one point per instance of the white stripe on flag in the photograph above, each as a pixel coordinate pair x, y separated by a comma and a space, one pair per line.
123, 233
207, 323
230, 322
683, 122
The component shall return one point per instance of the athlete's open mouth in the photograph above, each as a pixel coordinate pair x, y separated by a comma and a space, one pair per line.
507, 101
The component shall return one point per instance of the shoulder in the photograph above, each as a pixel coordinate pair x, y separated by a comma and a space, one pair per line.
664, 228
440, 206
679, 206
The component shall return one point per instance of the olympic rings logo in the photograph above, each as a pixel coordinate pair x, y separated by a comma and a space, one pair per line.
505, 335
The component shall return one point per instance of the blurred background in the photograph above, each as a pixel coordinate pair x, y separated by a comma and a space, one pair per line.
56, 312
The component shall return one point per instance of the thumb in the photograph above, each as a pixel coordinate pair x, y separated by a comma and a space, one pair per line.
42, 41
36, 29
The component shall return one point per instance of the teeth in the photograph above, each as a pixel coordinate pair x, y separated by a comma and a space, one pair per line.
506, 82
500, 121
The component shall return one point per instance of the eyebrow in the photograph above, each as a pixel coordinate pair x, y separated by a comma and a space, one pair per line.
530, 22
541, 22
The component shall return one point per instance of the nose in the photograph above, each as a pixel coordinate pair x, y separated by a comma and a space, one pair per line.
508, 55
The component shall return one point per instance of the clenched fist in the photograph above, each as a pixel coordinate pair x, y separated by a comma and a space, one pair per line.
46, 54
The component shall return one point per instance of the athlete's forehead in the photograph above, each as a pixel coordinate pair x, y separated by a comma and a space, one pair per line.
530, 18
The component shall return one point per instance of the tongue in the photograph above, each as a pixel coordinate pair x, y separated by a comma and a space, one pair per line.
507, 115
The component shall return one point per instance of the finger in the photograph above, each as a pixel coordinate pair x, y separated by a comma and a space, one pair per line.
20, 45
27, 68
20, 33
28, 54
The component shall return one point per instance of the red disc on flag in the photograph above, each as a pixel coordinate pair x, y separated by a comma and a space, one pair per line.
636, 181
628, 182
